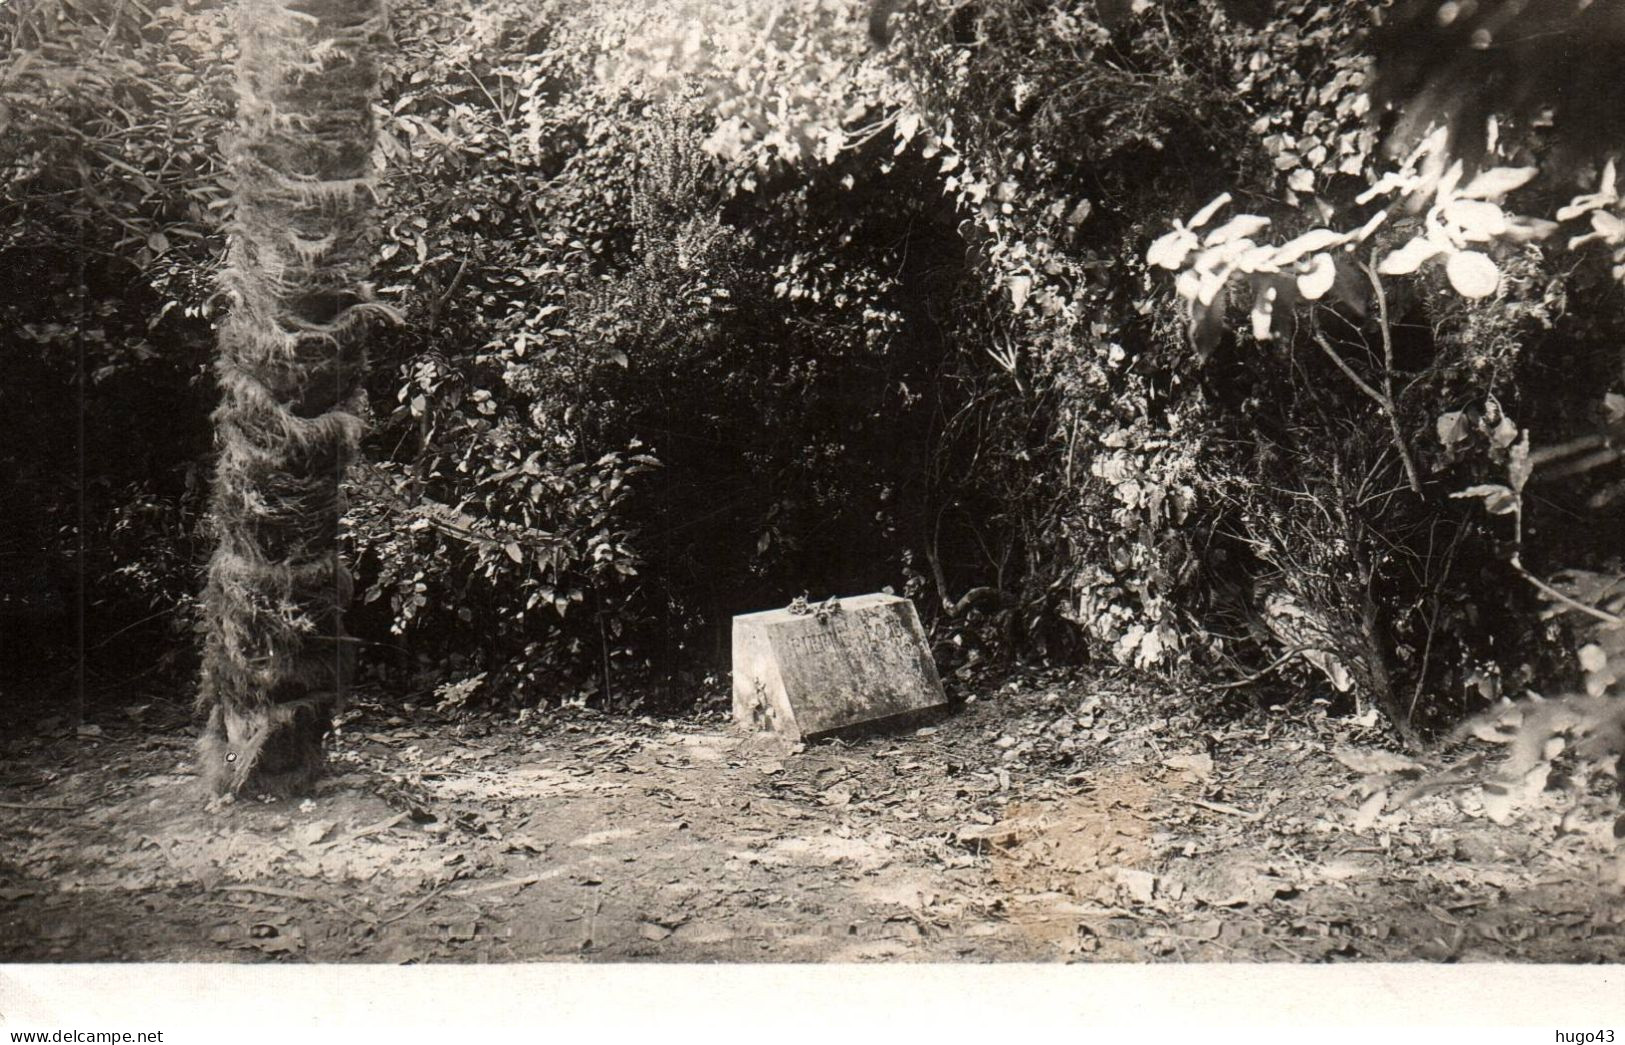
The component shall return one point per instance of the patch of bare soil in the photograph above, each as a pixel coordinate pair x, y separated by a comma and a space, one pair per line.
1063, 818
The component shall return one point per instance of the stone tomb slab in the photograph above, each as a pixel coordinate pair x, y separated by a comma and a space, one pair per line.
806, 674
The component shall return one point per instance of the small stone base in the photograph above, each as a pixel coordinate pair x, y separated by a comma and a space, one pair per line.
808, 674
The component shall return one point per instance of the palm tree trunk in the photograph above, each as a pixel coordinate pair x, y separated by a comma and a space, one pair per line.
291, 355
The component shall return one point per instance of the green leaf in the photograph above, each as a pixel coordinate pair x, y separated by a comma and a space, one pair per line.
1309, 243
1497, 181
1242, 226
1473, 274
1264, 313
1505, 434
1478, 221
1605, 196
512, 548
1207, 323
1518, 464
1498, 499
1452, 427
1210, 284
1409, 258
1592, 657
908, 124
1364, 231
1171, 249
1020, 287
1322, 273
1206, 213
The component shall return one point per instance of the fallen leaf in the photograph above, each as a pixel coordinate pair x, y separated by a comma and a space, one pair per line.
988, 834
837, 796
1235, 885
1368, 812
314, 832
1342, 870
272, 940
1441, 914
596, 838
1201, 764
1368, 762
1141, 885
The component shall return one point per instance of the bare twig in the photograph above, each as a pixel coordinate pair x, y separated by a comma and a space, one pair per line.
1228, 810
592, 919
397, 916
1272, 665
603, 637
112, 27
1388, 376
451, 288
294, 894
506, 883
1386, 404
1433, 622
363, 832
1360, 382
1611, 619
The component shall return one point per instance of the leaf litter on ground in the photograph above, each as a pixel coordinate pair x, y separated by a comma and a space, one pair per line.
1090, 837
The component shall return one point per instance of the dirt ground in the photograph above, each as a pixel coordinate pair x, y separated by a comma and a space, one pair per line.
1058, 818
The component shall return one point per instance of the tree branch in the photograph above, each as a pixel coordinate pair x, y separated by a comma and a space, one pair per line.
451, 288
1384, 402
446, 519
1613, 620
1388, 374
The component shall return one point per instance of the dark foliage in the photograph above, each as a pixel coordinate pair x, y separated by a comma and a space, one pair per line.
692, 330
1548, 64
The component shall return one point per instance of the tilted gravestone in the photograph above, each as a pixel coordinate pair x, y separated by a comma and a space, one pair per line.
805, 671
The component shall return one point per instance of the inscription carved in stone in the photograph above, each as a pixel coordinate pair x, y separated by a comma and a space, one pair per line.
810, 673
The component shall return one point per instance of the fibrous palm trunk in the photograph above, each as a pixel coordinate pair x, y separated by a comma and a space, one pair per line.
291, 353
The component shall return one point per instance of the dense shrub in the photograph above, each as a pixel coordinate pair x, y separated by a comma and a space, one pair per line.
688, 399
107, 148
1236, 496
714, 305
